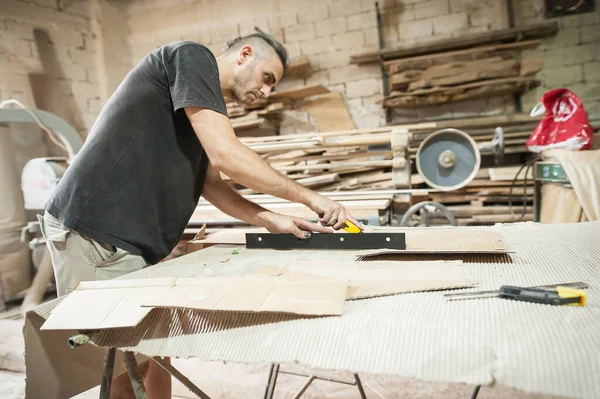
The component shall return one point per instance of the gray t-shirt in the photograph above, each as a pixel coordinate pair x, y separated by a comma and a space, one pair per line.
137, 179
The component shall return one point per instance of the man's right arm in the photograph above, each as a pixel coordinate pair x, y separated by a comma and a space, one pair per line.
228, 155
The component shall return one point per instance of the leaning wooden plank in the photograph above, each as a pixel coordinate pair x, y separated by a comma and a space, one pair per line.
540, 30
329, 112
299, 68
296, 94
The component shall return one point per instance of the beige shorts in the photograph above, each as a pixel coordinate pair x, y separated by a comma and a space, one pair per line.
76, 258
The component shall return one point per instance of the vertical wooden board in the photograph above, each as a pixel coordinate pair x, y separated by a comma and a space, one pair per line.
329, 112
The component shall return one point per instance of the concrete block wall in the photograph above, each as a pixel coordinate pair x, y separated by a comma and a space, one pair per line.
48, 60
55, 68
572, 57
328, 33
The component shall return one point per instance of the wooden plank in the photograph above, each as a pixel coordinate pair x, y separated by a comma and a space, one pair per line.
470, 91
297, 94
299, 68
508, 173
458, 74
459, 88
360, 204
329, 112
340, 156
312, 135
471, 54
540, 30
531, 65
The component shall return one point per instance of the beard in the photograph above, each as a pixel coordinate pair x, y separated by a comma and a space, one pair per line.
242, 90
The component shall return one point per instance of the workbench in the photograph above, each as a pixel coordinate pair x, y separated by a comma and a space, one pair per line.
536, 348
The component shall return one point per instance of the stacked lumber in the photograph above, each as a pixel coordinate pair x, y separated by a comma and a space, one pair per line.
355, 167
361, 159
464, 68
366, 207
454, 76
263, 117
490, 198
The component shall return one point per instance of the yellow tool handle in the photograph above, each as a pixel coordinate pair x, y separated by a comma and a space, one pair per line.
352, 228
568, 292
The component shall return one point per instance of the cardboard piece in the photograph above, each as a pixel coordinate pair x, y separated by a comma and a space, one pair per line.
106, 304
583, 170
560, 205
445, 241
317, 298
97, 305
417, 335
51, 366
378, 278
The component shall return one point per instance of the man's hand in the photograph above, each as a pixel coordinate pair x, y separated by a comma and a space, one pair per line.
331, 213
278, 223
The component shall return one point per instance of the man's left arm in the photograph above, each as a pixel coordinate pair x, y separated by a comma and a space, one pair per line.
221, 195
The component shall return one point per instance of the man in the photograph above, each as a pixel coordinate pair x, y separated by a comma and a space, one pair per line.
160, 143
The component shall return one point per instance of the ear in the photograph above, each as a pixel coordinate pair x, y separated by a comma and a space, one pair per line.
244, 54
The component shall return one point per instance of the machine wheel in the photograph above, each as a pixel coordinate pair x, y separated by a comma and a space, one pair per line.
423, 208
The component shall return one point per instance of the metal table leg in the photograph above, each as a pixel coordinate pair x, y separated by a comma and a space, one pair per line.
272, 381
180, 377
109, 365
360, 387
475, 392
304, 387
134, 376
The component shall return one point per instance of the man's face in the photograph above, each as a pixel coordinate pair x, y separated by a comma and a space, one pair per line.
255, 76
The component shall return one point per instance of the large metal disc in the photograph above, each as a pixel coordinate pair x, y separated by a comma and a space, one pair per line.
448, 159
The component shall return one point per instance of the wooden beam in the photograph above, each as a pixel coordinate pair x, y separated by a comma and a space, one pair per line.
536, 31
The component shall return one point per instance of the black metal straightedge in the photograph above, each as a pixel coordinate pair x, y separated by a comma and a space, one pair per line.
327, 241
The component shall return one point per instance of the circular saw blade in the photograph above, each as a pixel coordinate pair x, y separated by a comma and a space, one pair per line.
465, 165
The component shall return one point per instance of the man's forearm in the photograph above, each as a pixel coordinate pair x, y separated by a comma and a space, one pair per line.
249, 169
221, 195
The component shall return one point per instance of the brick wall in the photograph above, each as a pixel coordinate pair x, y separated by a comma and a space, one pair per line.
48, 60
328, 32
572, 57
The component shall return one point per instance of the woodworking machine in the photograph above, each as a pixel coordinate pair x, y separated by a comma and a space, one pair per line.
447, 159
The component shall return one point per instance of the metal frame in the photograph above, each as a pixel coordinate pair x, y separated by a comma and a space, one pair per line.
274, 372
140, 391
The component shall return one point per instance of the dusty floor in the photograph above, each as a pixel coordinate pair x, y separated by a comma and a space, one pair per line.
222, 381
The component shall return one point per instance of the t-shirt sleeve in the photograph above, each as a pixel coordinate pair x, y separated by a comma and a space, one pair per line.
193, 77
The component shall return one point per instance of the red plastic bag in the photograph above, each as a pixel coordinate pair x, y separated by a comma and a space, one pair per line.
565, 124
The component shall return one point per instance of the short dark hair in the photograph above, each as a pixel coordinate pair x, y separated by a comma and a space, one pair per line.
239, 42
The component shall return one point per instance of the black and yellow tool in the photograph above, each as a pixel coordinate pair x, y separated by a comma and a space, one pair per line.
545, 292
558, 296
352, 228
